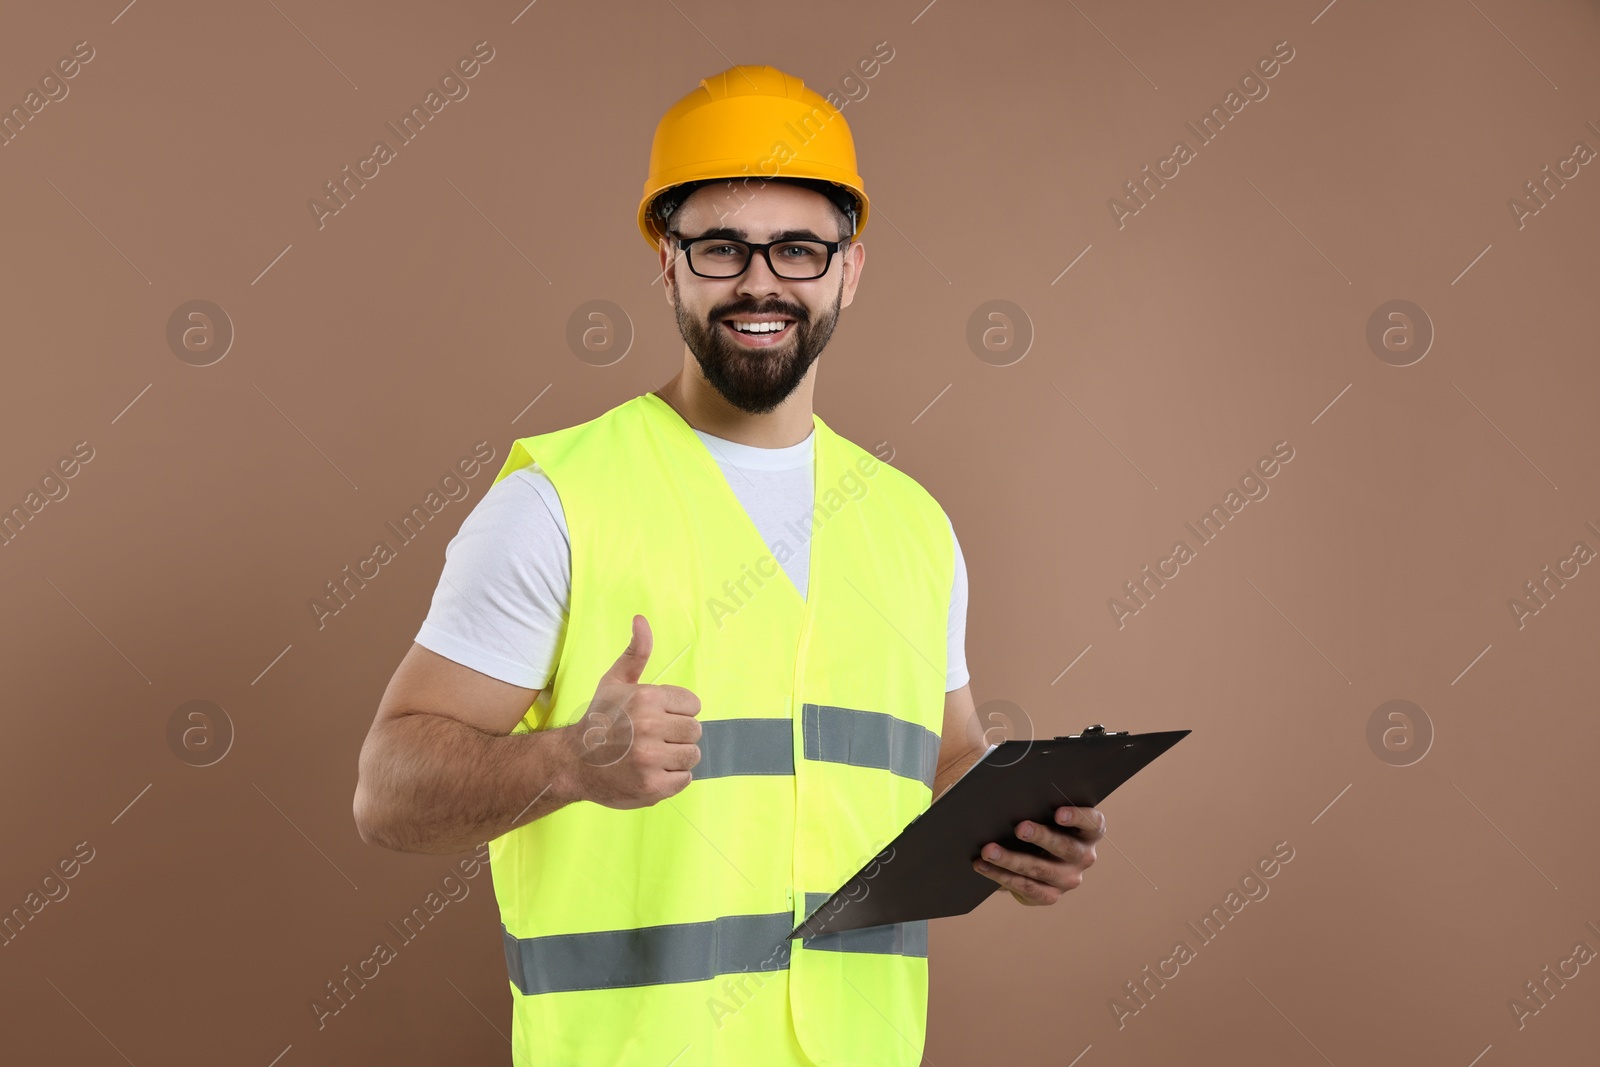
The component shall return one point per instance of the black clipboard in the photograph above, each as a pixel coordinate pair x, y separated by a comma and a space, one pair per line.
926, 872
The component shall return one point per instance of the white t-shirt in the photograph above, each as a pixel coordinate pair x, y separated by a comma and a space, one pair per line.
501, 603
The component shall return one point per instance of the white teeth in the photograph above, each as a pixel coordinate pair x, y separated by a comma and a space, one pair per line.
758, 327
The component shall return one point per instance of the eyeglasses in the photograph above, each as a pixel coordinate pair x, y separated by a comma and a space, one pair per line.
724, 257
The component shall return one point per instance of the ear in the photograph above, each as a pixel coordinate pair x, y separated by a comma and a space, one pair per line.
854, 259
669, 267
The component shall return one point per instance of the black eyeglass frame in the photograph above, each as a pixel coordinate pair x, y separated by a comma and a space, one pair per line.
752, 247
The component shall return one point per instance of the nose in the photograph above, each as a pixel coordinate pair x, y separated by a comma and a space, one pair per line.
758, 277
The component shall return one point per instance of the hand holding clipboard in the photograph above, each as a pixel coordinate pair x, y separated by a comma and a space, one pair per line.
926, 872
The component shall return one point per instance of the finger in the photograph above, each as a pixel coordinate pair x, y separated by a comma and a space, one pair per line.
1059, 843
678, 699
676, 782
1024, 888
630, 665
680, 730
1024, 864
1086, 823
682, 757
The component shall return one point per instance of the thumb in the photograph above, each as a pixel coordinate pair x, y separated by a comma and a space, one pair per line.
630, 665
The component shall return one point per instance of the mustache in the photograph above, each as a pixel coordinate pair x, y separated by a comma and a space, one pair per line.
792, 311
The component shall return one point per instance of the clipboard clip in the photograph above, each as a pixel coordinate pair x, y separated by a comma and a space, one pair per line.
1092, 731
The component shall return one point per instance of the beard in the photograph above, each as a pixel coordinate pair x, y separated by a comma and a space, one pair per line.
756, 380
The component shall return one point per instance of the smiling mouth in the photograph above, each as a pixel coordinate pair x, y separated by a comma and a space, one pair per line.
762, 335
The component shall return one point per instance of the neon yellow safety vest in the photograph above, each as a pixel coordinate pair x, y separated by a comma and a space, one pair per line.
657, 935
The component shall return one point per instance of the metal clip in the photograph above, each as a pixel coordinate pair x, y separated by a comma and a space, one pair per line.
1097, 730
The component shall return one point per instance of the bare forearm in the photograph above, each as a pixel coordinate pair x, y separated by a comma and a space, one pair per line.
955, 767
431, 784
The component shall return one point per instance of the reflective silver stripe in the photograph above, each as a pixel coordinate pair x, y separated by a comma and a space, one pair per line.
649, 955
870, 739
685, 952
745, 746
904, 939
832, 734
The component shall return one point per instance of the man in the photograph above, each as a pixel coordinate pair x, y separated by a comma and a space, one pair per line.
659, 820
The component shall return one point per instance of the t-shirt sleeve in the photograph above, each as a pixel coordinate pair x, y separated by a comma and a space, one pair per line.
956, 674
503, 596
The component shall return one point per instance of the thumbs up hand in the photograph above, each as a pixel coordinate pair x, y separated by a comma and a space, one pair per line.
636, 743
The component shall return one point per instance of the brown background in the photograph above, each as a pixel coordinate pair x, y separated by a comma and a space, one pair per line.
1229, 314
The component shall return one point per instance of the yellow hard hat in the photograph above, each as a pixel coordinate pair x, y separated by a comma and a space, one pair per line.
752, 122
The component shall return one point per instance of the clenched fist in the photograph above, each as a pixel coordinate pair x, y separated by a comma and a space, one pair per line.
636, 743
